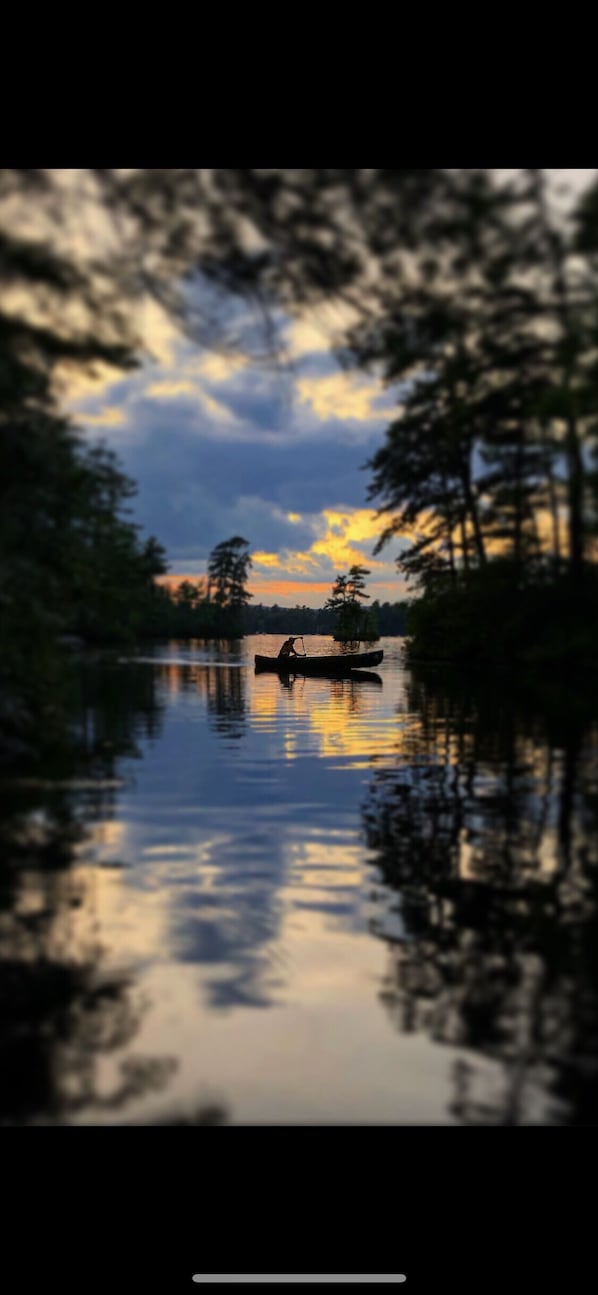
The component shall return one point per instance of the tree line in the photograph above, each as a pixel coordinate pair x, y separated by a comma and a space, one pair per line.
218, 606
387, 618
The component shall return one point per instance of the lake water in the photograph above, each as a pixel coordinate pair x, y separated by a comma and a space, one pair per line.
240, 899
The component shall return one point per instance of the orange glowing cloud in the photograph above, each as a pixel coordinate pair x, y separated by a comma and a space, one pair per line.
343, 530
292, 576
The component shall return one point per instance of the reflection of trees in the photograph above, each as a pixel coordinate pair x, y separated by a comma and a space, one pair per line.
118, 705
488, 832
225, 693
221, 686
62, 1015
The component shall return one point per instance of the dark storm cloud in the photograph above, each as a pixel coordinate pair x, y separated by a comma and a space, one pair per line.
194, 489
233, 453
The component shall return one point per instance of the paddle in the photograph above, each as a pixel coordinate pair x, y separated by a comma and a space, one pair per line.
300, 636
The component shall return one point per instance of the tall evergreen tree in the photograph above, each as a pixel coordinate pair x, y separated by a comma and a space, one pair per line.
228, 569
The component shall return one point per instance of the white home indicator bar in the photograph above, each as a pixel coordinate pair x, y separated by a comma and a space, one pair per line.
299, 1277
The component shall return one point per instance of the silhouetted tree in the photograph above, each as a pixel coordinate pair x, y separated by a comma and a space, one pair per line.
352, 623
228, 569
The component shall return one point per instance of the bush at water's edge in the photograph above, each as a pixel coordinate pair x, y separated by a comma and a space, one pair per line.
493, 620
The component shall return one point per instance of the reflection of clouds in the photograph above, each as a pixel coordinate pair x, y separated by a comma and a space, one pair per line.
338, 718
323, 876
131, 921
241, 912
344, 719
349, 727
319, 1054
218, 848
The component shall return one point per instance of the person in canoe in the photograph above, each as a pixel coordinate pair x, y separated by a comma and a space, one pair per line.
287, 649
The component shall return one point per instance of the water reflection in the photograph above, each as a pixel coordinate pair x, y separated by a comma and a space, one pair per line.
222, 687
486, 832
349, 687
187, 927
67, 1020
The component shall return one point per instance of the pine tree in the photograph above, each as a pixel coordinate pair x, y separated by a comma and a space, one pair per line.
345, 601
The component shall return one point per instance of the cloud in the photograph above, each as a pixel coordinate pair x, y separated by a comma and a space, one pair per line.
192, 475
168, 390
341, 539
109, 417
307, 337
220, 368
285, 574
342, 396
218, 447
345, 531
159, 336
267, 560
79, 389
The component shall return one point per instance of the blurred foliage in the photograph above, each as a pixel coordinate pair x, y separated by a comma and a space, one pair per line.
491, 462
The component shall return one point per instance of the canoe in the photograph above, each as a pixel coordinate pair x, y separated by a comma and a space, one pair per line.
324, 665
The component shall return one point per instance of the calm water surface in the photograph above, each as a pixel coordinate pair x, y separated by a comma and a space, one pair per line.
257, 900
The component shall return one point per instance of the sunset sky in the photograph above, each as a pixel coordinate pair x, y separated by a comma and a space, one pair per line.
221, 446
